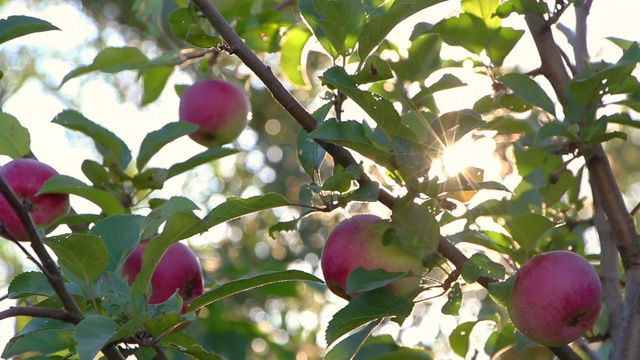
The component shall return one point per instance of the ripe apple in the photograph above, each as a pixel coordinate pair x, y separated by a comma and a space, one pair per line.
353, 243
556, 297
219, 107
178, 270
25, 177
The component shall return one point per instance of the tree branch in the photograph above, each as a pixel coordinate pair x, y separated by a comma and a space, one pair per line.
58, 314
302, 116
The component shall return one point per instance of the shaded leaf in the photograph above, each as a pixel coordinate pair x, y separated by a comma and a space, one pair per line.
347, 348
112, 60
19, 25
15, 140
235, 207
361, 279
120, 233
43, 335
454, 301
529, 90
479, 265
67, 185
527, 229
459, 337
84, 255
92, 334
199, 159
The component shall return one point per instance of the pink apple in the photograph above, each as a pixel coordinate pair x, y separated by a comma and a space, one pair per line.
556, 298
355, 243
178, 270
26, 176
219, 107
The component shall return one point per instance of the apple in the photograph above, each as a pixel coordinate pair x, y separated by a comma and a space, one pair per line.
218, 107
178, 270
556, 297
354, 243
25, 177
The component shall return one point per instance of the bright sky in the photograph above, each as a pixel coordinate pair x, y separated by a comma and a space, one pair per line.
35, 108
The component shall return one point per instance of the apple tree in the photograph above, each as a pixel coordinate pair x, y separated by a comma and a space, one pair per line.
433, 148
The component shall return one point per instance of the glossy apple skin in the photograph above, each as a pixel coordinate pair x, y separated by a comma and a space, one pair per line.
556, 297
26, 176
219, 107
178, 270
354, 243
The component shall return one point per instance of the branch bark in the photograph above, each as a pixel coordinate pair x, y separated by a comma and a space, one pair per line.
339, 154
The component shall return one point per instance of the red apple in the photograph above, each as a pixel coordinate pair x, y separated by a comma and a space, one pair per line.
556, 297
178, 270
25, 177
219, 107
355, 243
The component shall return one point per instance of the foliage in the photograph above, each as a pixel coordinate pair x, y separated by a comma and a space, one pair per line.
366, 130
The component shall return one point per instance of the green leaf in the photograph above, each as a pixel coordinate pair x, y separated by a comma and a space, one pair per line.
483, 9
506, 125
364, 308
374, 69
499, 340
340, 182
355, 136
417, 228
114, 292
130, 328
291, 55
67, 185
378, 108
42, 335
29, 283
96, 173
263, 37
156, 140
154, 81
454, 301
110, 146
150, 178
459, 337
348, 348
196, 36
379, 25
92, 334
236, 207
521, 7
120, 233
527, 229
15, 140
501, 290
180, 20
161, 325
180, 225
327, 21
112, 60
204, 157
19, 25
610, 80
529, 90
479, 265
239, 285
361, 279
85, 256
161, 212
451, 127
472, 33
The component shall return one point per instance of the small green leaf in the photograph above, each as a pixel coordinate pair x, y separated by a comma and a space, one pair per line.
529, 90
92, 334
29, 283
112, 60
521, 7
196, 36
340, 182
180, 20
96, 173
348, 348
110, 146
133, 326
356, 136
84, 255
239, 285
499, 340
361, 279
291, 55
204, 157
364, 308
15, 140
479, 265
154, 81
501, 290
67, 185
163, 324
327, 21
150, 178
454, 301
19, 25
120, 233
459, 337
418, 230
379, 25
374, 69
161, 212
156, 140
527, 229
42, 335
236, 207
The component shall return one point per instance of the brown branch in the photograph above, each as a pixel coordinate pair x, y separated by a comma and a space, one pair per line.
58, 314
339, 154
